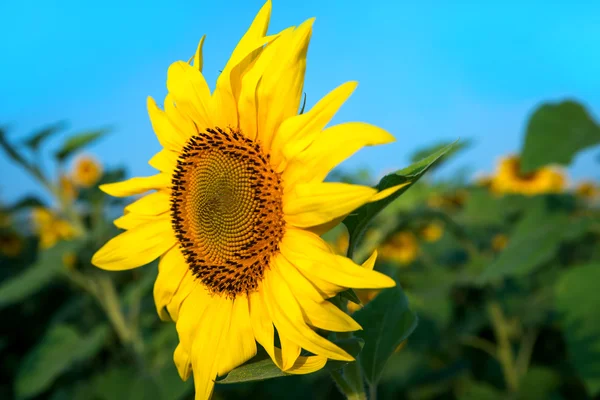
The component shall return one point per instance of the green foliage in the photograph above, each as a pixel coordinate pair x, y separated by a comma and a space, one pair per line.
37, 138
578, 302
36, 277
59, 350
386, 322
360, 218
556, 132
77, 142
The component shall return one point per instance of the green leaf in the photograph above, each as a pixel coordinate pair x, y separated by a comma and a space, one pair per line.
357, 221
386, 321
35, 140
479, 391
10, 150
577, 301
424, 152
59, 349
35, 277
534, 241
261, 368
538, 384
555, 133
77, 142
349, 295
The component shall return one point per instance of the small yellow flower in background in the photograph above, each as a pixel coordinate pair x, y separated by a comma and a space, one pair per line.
451, 201
403, 248
499, 242
587, 190
484, 181
11, 244
432, 232
510, 180
67, 188
236, 210
50, 227
86, 171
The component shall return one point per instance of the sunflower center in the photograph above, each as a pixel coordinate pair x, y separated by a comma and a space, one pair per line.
227, 212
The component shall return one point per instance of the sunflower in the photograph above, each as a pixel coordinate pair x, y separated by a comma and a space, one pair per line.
50, 227
510, 179
402, 248
499, 242
86, 171
587, 190
432, 232
238, 206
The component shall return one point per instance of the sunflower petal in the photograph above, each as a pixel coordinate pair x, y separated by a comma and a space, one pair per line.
172, 270
191, 94
168, 134
296, 133
164, 161
307, 251
288, 319
198, 62
330, 148
136, 247
312, 204
151, 204
183, 362
133, 220
137, 185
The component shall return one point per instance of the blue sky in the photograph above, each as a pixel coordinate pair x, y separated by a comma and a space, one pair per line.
430, 71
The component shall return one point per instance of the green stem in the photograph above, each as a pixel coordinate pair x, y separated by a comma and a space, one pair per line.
525, 352
505, 352
372, 392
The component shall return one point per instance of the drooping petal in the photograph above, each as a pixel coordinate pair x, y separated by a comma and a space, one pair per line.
297, 132
331, 147
240, 344
186, 287
137, 185
183, 362
287, 317
133, 220
311, 204
151, 204
172, 269
198, 61
136, 247
309, 255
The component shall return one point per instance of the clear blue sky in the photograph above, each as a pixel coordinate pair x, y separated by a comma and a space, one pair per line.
428, 71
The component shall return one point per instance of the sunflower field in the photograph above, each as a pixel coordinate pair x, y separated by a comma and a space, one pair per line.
251, 265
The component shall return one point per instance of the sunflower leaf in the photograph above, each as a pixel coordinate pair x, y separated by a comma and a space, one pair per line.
387, 321
358, 221
77, 142
577, 301
60, 348
556, 133
262, 367
35, 140
34, 278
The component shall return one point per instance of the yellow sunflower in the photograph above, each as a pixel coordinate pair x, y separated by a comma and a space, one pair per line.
587, 190
510, 179
86, 171
238, 207
50, 227
499, 242
432, 232
402, 248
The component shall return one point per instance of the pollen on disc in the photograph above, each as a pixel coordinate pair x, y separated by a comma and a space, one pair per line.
227, 211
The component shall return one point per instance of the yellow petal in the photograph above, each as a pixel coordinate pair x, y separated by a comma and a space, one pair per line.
312, 204
169, 135
307, 365
137, 185
191, 94
297, 132
133, 220
164, 161
151, 204
209, 343
307, 251
198, 303
290, 352
288, 319
241, 345
330, 148
183, 362
172, 270
186, 287
316, 311
370, 262
198, 62
224, 101
136, 247
280, 89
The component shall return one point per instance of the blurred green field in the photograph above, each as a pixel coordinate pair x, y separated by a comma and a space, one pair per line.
498, 279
